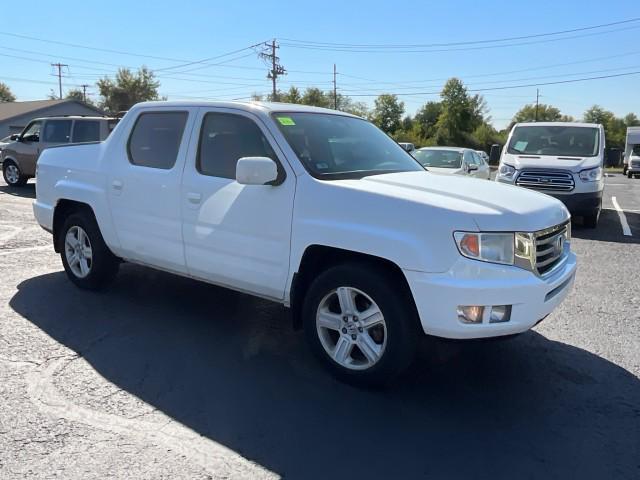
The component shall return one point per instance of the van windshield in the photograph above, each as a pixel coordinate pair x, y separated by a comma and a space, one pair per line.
560, 141
335, 146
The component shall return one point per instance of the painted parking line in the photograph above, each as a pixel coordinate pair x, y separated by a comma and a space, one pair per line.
623, 219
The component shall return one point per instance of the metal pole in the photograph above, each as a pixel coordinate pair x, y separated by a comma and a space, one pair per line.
335, 91
537, 102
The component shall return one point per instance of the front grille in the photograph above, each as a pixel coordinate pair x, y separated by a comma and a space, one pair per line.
546, 180
550, 247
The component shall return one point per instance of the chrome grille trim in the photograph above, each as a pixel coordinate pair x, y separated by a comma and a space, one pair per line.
546, 180
548, 254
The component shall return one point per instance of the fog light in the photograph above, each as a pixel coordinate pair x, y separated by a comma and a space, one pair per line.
500, 313
470, 313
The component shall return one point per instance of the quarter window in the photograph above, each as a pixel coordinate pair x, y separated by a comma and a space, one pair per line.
224, 139
86, 131
155, 139
57, 131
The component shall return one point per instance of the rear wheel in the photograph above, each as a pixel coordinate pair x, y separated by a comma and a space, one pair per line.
12, 174
360, 325
629, 174
87, 260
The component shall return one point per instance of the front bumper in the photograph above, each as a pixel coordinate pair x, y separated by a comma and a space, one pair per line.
581, 203
470, 282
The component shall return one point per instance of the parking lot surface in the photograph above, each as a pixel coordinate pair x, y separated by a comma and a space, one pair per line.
164, 377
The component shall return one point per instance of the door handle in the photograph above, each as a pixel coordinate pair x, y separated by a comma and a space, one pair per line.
194, 198
117, 185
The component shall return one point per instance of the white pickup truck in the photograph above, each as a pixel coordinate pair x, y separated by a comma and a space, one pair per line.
317, 210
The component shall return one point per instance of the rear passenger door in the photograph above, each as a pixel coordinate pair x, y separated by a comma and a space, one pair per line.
144, 187
236, 235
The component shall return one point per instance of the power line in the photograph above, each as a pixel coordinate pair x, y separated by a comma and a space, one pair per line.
508, 87
198, 62
470, 42
430, 50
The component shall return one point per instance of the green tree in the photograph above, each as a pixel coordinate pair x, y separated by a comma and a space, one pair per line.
461, 114
316, 97
427, 117
128, 89
546, 113
615, 129
5, 93
631, 120
292, 96
597, 114
387, 113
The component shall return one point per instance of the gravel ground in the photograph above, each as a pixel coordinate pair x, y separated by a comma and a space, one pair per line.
163, 377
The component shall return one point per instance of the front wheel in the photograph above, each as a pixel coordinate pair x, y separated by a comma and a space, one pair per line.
12, 174
591, 221
629, 175
86, 258
361, 323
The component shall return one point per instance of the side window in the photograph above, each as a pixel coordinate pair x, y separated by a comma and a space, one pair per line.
476, 159
86, 131
155, 139
57, 131
32, 132
225, 138
468, 158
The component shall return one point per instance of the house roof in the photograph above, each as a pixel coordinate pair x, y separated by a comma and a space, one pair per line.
15, 109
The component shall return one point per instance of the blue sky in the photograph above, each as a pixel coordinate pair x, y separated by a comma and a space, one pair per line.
190, 31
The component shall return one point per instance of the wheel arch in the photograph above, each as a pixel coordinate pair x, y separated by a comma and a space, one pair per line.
318, 258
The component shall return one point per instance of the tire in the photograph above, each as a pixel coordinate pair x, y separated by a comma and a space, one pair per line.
96, 266
12, 174
591, 221
629, 175
388, 346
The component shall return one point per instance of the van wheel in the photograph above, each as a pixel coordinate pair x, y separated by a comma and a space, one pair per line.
360, 326
87, 260
12, 174
591, 221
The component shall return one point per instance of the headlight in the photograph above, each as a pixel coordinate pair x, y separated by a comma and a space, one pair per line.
506, 170
487, 247
591, 175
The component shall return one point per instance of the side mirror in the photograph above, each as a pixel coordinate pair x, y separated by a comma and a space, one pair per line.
14, 137
494, 154
256, 171
472, 167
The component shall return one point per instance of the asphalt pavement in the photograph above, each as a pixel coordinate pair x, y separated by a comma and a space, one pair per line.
164, 377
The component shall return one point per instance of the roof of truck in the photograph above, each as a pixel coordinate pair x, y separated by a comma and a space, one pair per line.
248, 106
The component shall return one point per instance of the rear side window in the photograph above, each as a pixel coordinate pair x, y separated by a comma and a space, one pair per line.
57, 131
86, 131
224, 139
155, 139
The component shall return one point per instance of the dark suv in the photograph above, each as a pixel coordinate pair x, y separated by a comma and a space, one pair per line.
20, 156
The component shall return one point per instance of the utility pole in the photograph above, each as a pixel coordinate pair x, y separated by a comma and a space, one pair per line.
84, 92
537, 102
276, 68
335, 90
59, 66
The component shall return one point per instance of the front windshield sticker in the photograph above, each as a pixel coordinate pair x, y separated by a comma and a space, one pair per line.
286, 121
521, 145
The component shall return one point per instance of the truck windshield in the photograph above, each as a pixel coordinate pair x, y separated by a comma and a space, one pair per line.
561, 141
439, 158
336, 147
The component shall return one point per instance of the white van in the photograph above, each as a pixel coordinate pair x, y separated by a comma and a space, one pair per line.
561, 159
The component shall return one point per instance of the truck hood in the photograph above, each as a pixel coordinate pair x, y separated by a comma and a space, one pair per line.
493, 206
573, 164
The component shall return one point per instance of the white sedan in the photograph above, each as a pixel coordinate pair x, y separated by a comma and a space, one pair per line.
453, 161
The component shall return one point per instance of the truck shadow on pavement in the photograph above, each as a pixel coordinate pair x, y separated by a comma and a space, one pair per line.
27, 191
230, 367
609, 228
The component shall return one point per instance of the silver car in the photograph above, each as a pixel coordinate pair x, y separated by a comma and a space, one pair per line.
453, 161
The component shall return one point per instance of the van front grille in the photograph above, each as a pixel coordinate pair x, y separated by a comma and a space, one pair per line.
546, 180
